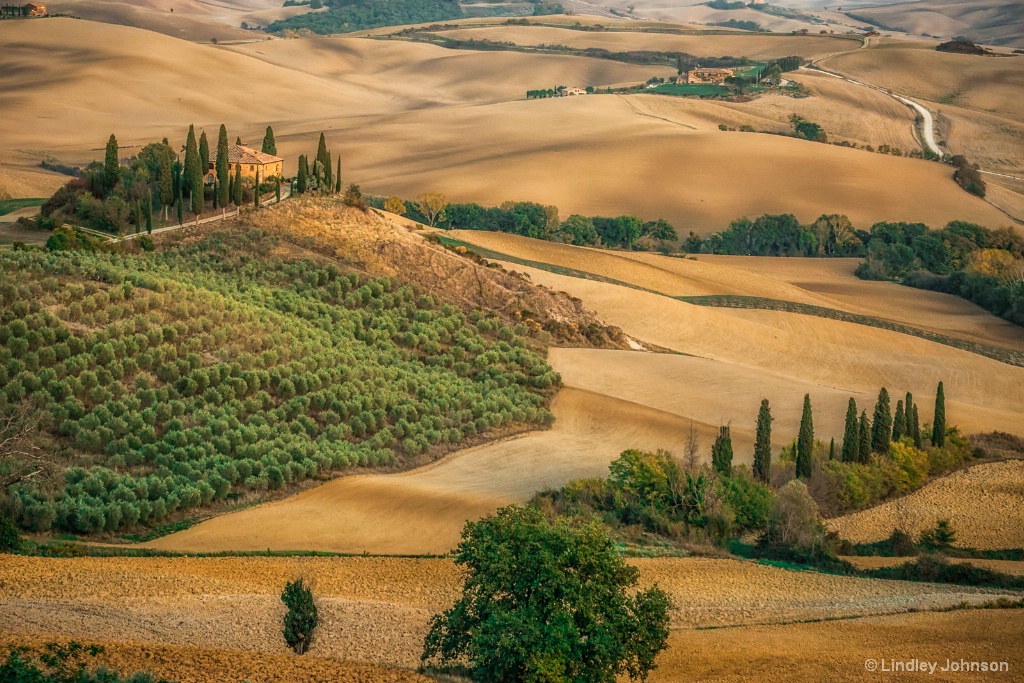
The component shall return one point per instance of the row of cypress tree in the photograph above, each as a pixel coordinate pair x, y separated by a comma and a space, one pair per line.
862, 437
322, 176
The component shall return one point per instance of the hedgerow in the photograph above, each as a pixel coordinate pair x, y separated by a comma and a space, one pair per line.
167, 381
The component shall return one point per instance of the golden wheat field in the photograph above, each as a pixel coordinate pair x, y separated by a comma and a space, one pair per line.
408, 118
375, 611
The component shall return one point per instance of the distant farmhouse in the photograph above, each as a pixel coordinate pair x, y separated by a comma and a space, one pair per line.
251, 161
573, 91
705, 75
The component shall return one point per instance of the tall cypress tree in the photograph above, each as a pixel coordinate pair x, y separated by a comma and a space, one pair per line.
899, 422
915, 429
301, 173
238, 140
238, 185
223, 168
328, 176
832, 448
111, 165
199, 178
149, 213
939, 423
337, 178
321, 150
721, 452
881, 427
166, 182
179, 200
256, 192
204, 155
269, 146
191, 156
277, 189
216, 193
864, 438
763, 444
851, 437
805, 442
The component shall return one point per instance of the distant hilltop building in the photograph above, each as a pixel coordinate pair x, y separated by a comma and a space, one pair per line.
573, 91
251, 161
708, 75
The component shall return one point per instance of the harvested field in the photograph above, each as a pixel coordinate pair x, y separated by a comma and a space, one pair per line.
408, 118
424, 510
984, 504
376, 610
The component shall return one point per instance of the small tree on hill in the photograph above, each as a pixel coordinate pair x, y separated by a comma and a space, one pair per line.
805, 442
721, 451
431, 206
111, 164
881, 427
763, 444
864, 438
301, 619
851, 435
269, 145
547, 601
939, 423
394, 205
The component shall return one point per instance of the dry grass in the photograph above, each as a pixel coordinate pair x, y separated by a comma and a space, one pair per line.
376, 610
1011, 567
983, 505
408, 118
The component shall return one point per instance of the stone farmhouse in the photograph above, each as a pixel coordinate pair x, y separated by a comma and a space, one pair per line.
251, 161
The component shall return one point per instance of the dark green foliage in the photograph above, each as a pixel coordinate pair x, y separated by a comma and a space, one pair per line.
223, 168
146, 243
939, 422
562, 590
726, 4
356, 15
337, 177
807, 129
968, 175
864, 438
237, 187
805, 441
881, 423
301, 619
172, 379
937, 569
328, 184
961, 47
269, 144
204, 155
302, 175
721, 451
63, 664
277, 188
763, 444
915, 429
899, 422
832, 448
256, 191
787, 63
149, 212
851, 435
782, 235
10, 539
111, 165
942, 536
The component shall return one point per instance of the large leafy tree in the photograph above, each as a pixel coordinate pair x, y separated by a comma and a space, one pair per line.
547, 601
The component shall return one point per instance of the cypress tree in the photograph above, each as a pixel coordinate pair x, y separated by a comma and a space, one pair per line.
223, 168
191, 155
832, 448
197, 188
111, 164
301, 173
328, 176
763, 444
881, 428
337, 178
231, 187
277, 188
864, 438
238, 141
204, 156
179, 200
851, 437
939, 423
269, 146
216, 193
138, 215
149, 213
256, 199
238, 185
321, 150
899, 422
805, 442
166, 182
721, 452
915, 429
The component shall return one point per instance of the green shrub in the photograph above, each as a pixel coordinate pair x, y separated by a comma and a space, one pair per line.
10, 539
63, 664
301, 619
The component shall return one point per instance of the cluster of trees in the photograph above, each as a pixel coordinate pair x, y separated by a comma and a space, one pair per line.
15, 11
807, 130
343, 16
171, 380
981, 265
782, 235
968, 175
539, 221
119, 196
323, 176
961, 47
557, 91
71, 663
